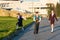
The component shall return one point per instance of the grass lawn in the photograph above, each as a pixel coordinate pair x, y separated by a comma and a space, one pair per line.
8, 25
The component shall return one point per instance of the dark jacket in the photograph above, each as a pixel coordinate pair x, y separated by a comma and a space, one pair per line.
20, 21
52, 18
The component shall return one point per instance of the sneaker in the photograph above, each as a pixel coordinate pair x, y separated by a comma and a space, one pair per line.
22, 28
51, 31
16, 27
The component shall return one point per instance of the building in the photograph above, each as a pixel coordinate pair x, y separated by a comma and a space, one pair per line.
8, 0
29, 6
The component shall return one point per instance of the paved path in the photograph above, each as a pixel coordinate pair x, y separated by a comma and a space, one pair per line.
44, 32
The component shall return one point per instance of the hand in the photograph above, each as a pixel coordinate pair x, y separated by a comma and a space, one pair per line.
49, 21
24, 18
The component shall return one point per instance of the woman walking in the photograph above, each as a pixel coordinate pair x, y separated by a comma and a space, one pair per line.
52, 18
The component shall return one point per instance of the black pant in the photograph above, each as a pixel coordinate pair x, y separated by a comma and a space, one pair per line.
36, 28
19, 24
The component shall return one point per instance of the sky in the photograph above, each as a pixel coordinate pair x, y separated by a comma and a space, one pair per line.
8, 0
32, 0
20, 0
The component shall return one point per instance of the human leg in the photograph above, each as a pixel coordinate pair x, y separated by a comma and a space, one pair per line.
52, 26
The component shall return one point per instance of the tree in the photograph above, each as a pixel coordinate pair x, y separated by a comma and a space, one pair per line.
58, 9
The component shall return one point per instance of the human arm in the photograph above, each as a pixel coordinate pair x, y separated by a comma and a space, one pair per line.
33, 18
56, 17
24, 18
40, 18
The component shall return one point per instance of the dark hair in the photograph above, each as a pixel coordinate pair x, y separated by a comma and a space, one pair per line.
52, 10
36, 12
18, 14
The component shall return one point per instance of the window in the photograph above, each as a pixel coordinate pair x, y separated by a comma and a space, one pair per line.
4, 4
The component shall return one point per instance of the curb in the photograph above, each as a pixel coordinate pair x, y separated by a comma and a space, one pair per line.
15, 33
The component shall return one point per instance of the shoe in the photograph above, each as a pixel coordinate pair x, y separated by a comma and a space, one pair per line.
17, 27
51, 31
35, 32
22, 28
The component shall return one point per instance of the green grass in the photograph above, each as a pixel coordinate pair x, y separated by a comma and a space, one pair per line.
8, 25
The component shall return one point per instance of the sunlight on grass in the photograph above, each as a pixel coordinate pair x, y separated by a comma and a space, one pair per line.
8, 25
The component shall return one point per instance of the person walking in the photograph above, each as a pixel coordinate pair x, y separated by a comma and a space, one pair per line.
52, 17
36, 19
20, 21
